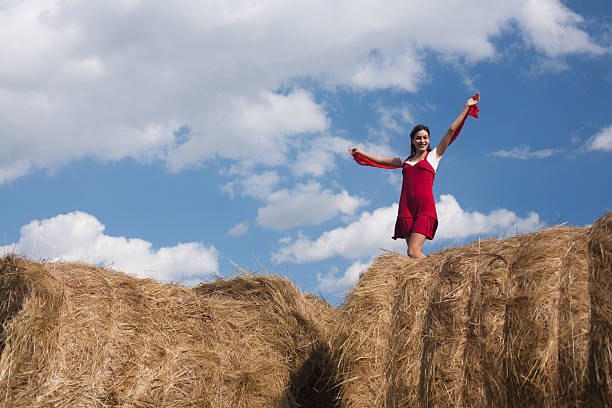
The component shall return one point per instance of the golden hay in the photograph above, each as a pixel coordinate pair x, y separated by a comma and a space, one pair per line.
77, 335
521, 322
600, 282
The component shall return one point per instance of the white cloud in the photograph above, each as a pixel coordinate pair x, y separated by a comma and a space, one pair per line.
114, 79
258, 130
542, 66
524, 152
601, 141
372, 231
402, 72
319, 155
258, 185
307, 204
80, 237
555, 30
360, 239
239, 229
394, 118
333, 284
455, 223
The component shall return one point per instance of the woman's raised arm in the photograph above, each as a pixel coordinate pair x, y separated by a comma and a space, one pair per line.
448, 136
385, 161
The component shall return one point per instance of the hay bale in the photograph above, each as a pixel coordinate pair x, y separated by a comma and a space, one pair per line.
499, 323
600, 282
78, 335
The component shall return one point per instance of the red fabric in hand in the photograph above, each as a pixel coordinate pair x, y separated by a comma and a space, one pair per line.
474, 111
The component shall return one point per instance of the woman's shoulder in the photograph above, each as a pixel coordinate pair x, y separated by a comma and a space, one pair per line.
433, 158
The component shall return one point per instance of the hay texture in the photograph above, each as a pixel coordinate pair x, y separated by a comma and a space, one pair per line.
80, 336
600, 282
521, 322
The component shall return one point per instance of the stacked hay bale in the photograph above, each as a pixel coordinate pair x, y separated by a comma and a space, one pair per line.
600, 283
77, 335
519, 322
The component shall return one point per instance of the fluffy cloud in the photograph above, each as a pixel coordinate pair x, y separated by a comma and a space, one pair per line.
555, 30
258, 185
601, 141
360, 239
372, 231
524, 152
114, 79
239, 229
455, 223
304, 204
256, 130
80, 237
307, 204
333, 284
318, 155
394, 118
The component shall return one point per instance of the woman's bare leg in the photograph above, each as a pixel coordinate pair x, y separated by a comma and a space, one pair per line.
415, 245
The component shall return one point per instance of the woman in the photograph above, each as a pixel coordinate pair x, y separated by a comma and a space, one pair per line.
417, 219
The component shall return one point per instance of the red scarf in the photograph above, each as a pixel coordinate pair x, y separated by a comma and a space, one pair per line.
473, 111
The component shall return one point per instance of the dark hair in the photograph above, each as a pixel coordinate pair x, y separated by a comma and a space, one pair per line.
416, 129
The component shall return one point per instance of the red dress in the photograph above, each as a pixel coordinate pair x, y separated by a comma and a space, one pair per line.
417, 207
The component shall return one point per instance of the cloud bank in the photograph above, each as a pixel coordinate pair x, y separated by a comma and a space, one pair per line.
118, 79
365, 237
79, 237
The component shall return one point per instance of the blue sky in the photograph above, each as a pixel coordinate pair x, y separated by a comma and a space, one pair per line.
170, 140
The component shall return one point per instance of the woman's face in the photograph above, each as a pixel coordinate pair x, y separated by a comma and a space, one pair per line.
421, 141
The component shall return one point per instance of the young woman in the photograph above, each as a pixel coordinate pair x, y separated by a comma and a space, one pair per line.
417, 219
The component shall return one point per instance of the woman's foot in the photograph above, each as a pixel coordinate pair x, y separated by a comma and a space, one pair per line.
416, 255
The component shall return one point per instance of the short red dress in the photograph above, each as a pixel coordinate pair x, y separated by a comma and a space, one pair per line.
417, 207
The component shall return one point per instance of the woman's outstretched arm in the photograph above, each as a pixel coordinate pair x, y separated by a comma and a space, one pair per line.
385, 161
448, 136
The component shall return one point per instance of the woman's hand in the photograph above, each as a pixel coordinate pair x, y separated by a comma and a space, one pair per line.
353, 151
473, 100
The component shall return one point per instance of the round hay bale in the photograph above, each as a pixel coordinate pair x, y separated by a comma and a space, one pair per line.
600, 282
78, 335
518, 322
